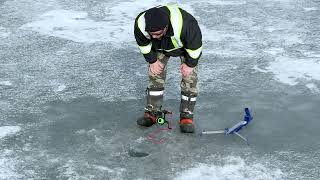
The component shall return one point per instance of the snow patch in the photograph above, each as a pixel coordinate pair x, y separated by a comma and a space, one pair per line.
274, 51
310, 9
75, 26
103, 168
288, 70
313, 88
78, 27
8, 130
5, 83
7, 169
312, 54
233, 168
60, 88
225, 3
73, 170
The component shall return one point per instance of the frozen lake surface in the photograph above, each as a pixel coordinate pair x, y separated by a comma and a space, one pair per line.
72, 85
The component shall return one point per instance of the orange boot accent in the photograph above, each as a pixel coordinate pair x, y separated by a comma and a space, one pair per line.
186, 121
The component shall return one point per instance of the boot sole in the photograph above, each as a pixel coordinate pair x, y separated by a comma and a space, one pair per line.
187, 128
144, 122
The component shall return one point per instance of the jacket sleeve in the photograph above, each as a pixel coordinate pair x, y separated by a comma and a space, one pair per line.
144, 44
192, 42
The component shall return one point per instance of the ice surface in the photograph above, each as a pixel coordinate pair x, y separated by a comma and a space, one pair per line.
73, 79
3, 32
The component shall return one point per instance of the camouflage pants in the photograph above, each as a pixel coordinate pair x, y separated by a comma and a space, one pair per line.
188, 84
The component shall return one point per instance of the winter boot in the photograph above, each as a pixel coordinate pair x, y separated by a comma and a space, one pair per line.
149, 118
152, 110
186, 113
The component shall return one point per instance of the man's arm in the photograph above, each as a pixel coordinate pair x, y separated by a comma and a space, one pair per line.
144, 44
192, 42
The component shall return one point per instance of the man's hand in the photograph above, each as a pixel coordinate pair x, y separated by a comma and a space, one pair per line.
156, 68
185, 70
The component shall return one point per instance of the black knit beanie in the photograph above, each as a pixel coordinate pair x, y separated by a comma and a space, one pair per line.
156, 19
